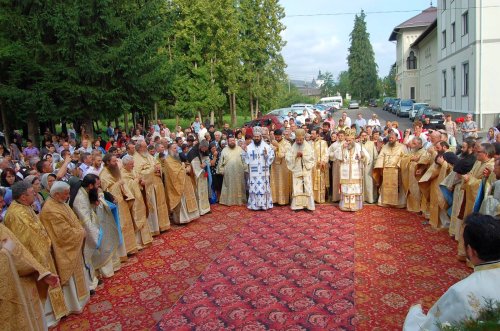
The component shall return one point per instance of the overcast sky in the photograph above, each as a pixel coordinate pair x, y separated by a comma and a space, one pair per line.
321, 42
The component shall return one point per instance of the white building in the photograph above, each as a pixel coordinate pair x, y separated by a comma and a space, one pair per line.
468, 34
451, 62
426, 49
407, 60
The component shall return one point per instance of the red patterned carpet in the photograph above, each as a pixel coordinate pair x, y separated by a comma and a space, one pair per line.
326, 270
400, 262
137, 296
282, 272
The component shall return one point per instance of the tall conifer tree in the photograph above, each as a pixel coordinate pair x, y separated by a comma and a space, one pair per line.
361, 61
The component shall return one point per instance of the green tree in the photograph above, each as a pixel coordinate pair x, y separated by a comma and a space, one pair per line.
342, 85
328, 88
261, 45
80, 61
389, 82
361, 61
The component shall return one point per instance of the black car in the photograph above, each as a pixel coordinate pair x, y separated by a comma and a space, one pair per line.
392, 105
386, 102
435, 114
372, 103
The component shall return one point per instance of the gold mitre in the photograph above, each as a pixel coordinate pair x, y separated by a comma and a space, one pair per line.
300, 133
350, 133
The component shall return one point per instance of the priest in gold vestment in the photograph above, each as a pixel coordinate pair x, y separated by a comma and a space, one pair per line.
471, 185
20, 304
430, 182
67, 236
369, 188
300, 160
231, 165
281, 178
26, 226
138, 210
413, 166
179, 188
386, 173
149, 170
200, 166
320, 172
112, 182
336, 165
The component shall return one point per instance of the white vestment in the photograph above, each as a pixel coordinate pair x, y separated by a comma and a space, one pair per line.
301, 167
462, 300
351, 176
259, 183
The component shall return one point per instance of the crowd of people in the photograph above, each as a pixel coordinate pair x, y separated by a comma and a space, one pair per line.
75, 209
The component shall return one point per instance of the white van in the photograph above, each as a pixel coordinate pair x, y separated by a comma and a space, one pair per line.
331, 99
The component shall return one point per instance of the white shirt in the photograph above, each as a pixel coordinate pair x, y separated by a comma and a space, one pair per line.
460, 301
93, 170
347, 121
201, 134
374, 122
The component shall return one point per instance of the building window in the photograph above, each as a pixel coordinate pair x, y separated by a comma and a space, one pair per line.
444, 4
444, 83
453, 81
465, 23
453, 32
443, 34
465, 69
412, 93
411, 61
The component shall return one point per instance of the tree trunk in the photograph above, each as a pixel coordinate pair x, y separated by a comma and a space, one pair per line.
33, 128
234, 120
125, 121
6, 124
257, 108
212, 117
177, 120
156, 112
251, 106
89, 127
117, 123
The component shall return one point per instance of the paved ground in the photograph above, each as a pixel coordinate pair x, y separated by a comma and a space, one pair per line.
404, 122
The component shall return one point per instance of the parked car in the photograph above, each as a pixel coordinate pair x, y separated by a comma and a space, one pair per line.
403, 108
385, 103
282, 113
266, 121
372, 103
392, 104
353, 104
416, 106
435, 114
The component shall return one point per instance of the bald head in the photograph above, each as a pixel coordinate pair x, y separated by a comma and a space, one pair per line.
435, 137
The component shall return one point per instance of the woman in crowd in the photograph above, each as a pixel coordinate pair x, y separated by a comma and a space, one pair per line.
37, 188
214, 161
491, 137
46, 181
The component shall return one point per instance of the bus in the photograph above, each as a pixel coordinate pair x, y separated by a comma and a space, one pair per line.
331, 99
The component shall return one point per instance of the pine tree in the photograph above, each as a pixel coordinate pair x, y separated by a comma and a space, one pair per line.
361, 61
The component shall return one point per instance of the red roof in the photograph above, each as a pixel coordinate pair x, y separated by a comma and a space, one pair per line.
424, 19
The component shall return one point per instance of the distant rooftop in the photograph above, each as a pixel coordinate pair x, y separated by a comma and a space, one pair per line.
424, 19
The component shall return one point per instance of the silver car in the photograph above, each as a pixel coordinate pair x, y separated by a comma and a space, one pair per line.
415, 108
353, 104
